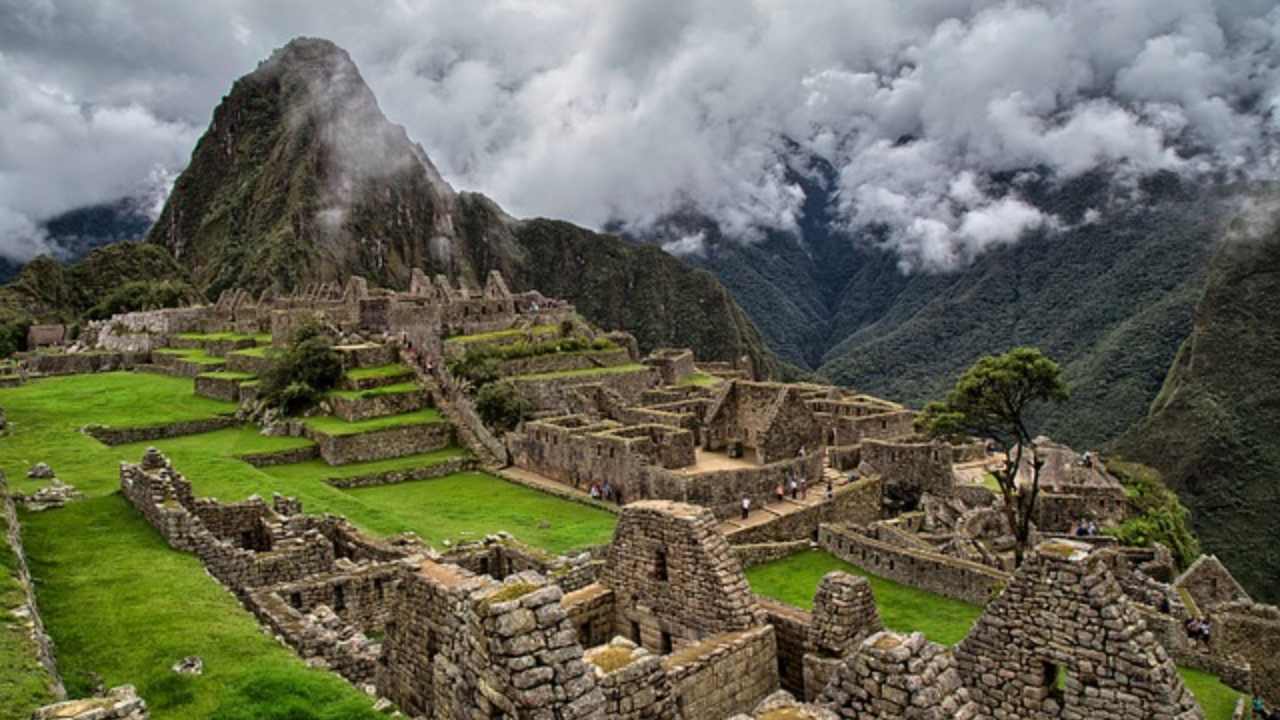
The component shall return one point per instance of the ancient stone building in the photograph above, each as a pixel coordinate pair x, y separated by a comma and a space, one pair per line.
1062, 641
893, 676
1208, 582
769, 421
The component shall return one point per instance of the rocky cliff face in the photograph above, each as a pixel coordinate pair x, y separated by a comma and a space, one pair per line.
300, 177
1214, 429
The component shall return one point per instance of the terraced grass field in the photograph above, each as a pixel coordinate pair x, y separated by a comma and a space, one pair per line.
123, 607
794, 580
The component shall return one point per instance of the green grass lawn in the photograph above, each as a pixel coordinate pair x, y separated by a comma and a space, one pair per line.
536, 331
259, 352
122, 605
467, 506
701, 379
1217, 700
330, 425
380, 371
195, 355
397, 389
228, 375
588, 372
794, 580
260, 338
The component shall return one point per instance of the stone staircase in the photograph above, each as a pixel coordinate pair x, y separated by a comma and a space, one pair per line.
454, 404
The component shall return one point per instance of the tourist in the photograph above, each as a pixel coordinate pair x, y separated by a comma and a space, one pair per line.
746, 507
804, 488
794, 487
595, 491
830, 491
1259, 709
1092, 529
1088, 459
779, 492
608, 490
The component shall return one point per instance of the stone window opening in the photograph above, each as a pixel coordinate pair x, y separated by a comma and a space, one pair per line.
666, 643
635, 632
660, 572
379, 589
1054, 681
246, 540
295, 599
339, 598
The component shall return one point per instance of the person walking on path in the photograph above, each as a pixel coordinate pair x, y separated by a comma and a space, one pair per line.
746, 507
779, 492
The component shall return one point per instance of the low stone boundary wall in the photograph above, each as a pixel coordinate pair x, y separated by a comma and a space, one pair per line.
385, 444
760, 553
83, 363
562, 492
216, 347
281, 457
367, 355
845, 457
146, 433
937, 573
548, 393
722, 491
590, 609
40, 639
857, 503
181, 366
251, 364
218, 388
726, 674
791, 625
355, 409
563, 362
391, 477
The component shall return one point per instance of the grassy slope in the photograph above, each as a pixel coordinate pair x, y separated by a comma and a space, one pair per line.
120, 604
794, 580
124, 606
588, 372
331, 425
1213, 430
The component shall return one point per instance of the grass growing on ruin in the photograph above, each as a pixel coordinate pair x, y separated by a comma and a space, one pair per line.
259, 352
536, 331
1217, 700
228, 375
588, 372
381, 371
260, 338
794, 580
24, 685
195, 355
330, 425
700, 379
123, 607
397, 389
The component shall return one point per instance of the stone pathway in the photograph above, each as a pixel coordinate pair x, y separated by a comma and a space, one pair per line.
772, 511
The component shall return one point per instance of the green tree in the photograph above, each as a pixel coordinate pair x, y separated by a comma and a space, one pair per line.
298, 379
501, 405
992, 401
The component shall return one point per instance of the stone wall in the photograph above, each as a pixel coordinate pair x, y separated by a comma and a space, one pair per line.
121, 703
592, 612
82, 362
675, 579
770, 420
29, 612
633, 681
1062, 641
281, 457
791, 628
391, 477
895, 676
1251, 632
547, 394
218, 388
722, 491
672, 365
857, 503
123, 436
564, 362
724, 675
391, 442
761, 553
954, 578
373, 405
909, 470
1209, 582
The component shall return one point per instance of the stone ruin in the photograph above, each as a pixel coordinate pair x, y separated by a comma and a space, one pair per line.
1062, 641
898, 676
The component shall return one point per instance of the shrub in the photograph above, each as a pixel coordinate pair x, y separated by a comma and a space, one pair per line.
1161, 517
501, 406
142, 295
303, 373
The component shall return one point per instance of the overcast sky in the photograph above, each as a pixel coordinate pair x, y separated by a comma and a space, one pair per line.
626, 109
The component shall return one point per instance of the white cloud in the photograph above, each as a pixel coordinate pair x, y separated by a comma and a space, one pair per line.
628, 110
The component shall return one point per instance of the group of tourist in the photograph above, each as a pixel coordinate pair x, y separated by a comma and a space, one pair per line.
1086, 528
1260, 711
606, 492
1199, 629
